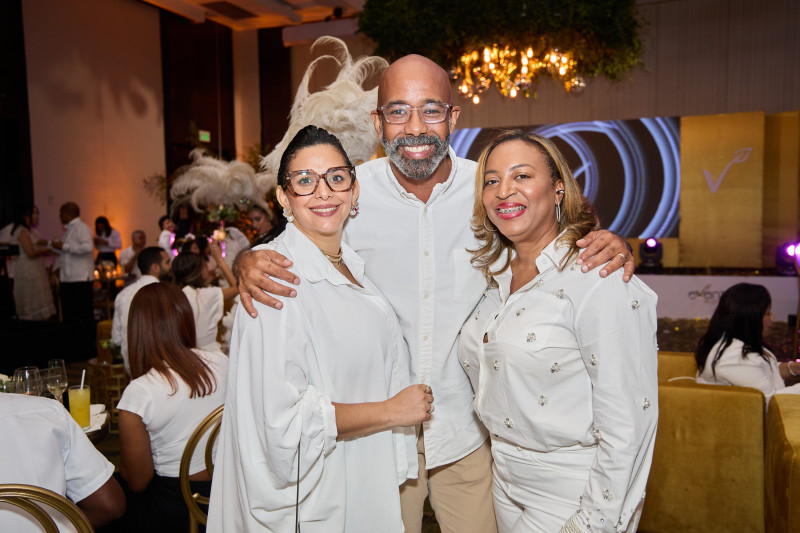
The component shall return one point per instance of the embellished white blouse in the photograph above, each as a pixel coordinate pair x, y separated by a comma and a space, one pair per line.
570, 359
334, 342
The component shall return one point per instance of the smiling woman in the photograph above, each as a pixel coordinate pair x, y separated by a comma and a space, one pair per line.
579, 349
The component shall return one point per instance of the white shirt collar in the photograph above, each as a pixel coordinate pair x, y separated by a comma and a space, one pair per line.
312, 265
551, 256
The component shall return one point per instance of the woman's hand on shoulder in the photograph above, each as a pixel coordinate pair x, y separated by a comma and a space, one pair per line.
411, 406
254, 270
603, 246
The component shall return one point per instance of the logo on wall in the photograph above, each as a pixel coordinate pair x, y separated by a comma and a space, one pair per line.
708, 296
740, 156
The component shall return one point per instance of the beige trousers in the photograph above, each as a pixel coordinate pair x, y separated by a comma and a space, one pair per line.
460, 493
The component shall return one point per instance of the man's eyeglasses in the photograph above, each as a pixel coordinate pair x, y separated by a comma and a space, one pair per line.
430, 113
305, 182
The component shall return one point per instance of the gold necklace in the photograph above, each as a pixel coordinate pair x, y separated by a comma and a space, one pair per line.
335, 259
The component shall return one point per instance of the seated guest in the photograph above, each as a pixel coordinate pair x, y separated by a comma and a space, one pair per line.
167, 236
175, 386
207, 301
129, 256
107, 241
155, 264
42, 445
732, 351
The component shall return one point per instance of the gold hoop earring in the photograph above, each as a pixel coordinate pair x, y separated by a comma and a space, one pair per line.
488, 229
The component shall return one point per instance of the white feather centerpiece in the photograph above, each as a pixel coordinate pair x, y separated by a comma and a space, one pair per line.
343, 108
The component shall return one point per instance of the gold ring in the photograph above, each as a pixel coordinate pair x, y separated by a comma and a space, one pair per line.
427, 389
431, 409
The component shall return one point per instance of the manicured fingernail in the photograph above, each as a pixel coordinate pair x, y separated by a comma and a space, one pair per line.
579, 261
584, 268
253, 314
278, 305
292, 294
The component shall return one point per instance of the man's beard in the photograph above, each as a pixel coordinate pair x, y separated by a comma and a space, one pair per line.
416, 169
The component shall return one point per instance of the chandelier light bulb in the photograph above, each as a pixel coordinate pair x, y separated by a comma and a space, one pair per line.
476, 99
512, 93
529, 53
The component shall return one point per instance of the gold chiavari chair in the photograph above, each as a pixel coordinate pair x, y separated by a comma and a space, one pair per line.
210, 424
27, 498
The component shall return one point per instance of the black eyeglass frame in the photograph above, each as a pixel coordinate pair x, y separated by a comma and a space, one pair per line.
324, 177
448, 109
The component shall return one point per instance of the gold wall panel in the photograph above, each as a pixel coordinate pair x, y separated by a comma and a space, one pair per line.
781, 182
722, 179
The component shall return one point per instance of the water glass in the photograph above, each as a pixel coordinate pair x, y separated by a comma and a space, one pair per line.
57, 378
27, 381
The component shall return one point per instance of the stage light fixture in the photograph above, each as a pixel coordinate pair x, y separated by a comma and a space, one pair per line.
787, 256
650, 254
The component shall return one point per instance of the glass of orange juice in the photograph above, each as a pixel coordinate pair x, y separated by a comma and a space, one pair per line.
79, 405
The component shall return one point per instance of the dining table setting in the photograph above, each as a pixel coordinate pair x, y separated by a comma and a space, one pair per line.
53, 382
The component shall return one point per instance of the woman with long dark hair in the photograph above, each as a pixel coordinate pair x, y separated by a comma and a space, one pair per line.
175, 386
207, 300
732, 351
33, 296
107, 240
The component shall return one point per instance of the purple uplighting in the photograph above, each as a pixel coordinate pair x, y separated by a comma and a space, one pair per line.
791, 250
651, 242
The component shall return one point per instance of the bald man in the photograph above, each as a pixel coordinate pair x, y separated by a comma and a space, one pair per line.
413, 232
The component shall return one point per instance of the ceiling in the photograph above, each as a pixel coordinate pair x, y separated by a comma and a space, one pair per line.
254, 14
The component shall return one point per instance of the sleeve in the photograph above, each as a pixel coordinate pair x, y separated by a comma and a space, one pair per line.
751, 371
277, 407
616, 331
165, 241
80, 240
118, 322
86, 469
137, 399
114, 240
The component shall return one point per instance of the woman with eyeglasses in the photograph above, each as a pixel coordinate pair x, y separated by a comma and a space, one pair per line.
563, 365
318, 423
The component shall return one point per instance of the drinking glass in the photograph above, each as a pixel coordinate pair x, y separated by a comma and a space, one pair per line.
57, 378
27, 381
79, 405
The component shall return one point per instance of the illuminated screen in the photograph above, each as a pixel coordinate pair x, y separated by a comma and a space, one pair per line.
628, 169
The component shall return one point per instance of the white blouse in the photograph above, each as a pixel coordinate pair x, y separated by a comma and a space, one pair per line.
570, 359
334, 342
208, 306
172, 418
750, 371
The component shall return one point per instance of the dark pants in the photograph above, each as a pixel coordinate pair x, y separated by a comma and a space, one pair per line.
77, 309
159, 509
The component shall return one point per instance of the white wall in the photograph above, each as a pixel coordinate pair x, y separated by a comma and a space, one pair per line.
96, 110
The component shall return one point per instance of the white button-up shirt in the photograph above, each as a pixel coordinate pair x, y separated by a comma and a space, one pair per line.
570, 359
415, 252
77, 252
750, 371
334, 342
122, 305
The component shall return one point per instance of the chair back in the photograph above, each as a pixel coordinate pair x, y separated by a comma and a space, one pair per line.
210, 424
673, 365
27, 498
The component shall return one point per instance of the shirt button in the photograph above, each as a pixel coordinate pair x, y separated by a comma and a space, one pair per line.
425, 338
426, 295
509, 423
427, 253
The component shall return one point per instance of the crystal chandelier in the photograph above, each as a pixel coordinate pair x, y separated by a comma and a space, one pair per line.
514, 71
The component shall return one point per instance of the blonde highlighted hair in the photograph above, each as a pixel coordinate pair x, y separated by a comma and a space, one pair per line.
577, 214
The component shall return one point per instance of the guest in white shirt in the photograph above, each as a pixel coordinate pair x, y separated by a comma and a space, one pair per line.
107, 240
175, 386
563, 365
76, 272
42, 445
156, 263
167, 236
732, 351
207, 300
128, 256
319, 393
413, 232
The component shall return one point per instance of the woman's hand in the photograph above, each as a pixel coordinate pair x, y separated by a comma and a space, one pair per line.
254, 270
603, 246
410, 406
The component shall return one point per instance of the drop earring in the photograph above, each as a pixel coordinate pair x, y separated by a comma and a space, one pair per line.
287, 214
354, 209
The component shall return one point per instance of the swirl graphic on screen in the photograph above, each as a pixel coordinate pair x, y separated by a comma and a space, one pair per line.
628, 169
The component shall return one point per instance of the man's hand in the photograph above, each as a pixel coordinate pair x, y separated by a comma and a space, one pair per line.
253, 270
603, 246
57, 244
